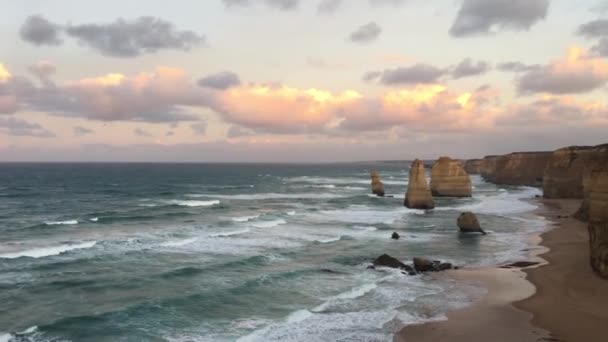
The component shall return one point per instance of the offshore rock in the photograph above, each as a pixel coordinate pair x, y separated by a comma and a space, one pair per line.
377, 185
418, 195
468, 223
449, 179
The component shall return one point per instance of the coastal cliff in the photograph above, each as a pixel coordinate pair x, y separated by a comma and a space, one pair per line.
521, 168
449, 179
598, 160
418, 195
488, 168
473, 166
564, 172
598, 221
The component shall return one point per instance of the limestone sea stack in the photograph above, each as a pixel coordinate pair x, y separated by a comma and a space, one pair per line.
418, 195
598, 221
473, 166
377, 186
449, 179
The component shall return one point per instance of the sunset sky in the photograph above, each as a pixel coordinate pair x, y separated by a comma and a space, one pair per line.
299, 81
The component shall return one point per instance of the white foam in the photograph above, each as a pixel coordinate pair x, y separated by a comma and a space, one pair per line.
340, 180
329, 240
269, 224
94, 219
245, 218
29, 330
5, 337
298, 316
291, 213
186, 203
362, 215
271, 195
502, 203
352, 294
47, 251
55, 223
224, 234
178, 243
366, 228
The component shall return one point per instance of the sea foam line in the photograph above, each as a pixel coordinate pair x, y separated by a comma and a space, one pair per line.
47, 251
56, 223
188, 203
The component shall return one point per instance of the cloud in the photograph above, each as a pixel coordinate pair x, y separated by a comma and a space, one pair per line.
322, 64
387, 2
467, 68
43, 70
366, 33
158, 96
8, 100
594, 29
237, 132
80, 131
283, 5
477, 17
416, 74
329, 6
124, 38
39, 31
601, 48
516, 67
18, 127
577, 73
141, 133
199, 128
222, 80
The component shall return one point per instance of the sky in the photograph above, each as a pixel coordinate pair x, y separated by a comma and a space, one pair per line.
299, 80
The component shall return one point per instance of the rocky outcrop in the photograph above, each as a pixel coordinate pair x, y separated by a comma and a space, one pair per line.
488, 168
418, 195
598, 160
564, 173
377, 186
386, 260
468, 223
473, 166
598, 221
422, 265
449, 179
521, 168
395, 236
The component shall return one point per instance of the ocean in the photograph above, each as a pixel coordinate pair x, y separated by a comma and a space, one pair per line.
234, 252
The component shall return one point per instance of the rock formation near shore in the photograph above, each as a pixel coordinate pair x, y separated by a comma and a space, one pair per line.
564, 172
488, 168
598, 160
418, 195
377, 185
449, 179
521, 168
468, 223
598, 221
473, 166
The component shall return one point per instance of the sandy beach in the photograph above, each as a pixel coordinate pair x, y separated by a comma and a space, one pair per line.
559, 300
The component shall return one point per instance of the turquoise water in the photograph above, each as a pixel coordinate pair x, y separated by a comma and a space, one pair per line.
194, 252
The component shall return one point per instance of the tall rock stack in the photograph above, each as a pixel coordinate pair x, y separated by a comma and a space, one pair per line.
377, 186
418, 195
449, 179
598, 221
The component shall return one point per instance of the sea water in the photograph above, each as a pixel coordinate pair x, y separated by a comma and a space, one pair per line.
233, 252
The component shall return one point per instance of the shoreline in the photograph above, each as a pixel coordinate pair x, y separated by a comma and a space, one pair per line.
527, 304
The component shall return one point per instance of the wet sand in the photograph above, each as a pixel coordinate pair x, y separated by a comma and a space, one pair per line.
559, 300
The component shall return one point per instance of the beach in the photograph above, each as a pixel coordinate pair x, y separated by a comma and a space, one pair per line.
561, 299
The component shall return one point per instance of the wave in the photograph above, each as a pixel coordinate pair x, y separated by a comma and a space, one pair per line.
225, 234
47, 251
178, 243
271, 195
245, 218
329, 240
56, 223
340, 180
504, 202
187, 203
269, 224
94, 219
291, 213
352, 294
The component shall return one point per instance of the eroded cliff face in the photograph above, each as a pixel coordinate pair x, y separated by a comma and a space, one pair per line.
418, 195
521, 168
598, 220
449, 179
488, 168
564, 172
597, 160
473, 166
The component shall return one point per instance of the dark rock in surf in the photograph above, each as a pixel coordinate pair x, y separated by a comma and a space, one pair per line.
395, 236
386, 260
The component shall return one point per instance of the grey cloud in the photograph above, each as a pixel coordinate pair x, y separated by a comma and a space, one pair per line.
80, 131
43, 71
124, 38
222, 80
601, 48
329, 6
39, 31
283, 5
594, 29
141, 132
18, 127
468, 68
544, 80
199, 128
485, 17
371, 76
366, 33
169, 134
418, 73
230, 3
386, 2
237, 131
517, 67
